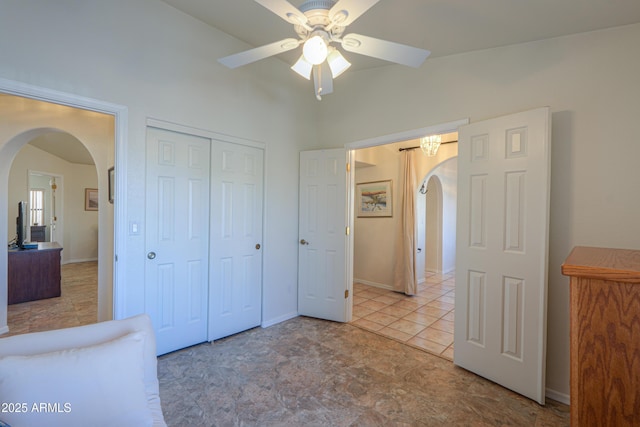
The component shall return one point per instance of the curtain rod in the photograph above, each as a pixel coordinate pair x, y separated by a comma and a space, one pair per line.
413, 148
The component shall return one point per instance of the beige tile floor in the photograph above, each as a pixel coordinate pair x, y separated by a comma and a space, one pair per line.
424, 321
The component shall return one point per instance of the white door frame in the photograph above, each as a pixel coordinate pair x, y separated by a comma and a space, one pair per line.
441, 128
120, 114
60, 208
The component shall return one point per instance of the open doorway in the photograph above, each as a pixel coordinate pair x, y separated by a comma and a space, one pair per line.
45, 201
61, 218
424, 320
29, 116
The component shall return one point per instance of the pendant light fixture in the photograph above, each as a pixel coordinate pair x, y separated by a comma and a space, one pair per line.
430, 144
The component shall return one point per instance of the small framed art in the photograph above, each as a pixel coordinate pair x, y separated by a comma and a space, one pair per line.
90, 199
374, 199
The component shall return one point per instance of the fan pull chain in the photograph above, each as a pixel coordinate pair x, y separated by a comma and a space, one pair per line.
318, 97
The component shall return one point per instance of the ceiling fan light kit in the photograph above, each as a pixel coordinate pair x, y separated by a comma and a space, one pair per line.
319, 23
303, 67
337, 62
315, 50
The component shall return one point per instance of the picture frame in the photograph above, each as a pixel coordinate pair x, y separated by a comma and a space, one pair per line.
374, 199
112, 183
91, 199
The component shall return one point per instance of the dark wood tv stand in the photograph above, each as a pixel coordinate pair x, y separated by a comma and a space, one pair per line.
34, 273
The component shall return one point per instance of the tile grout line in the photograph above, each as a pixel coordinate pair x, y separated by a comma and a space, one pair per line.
414, 329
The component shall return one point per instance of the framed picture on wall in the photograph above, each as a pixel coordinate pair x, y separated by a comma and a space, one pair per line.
373, 199
90, 199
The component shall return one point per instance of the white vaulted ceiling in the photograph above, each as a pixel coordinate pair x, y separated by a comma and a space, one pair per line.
445, 27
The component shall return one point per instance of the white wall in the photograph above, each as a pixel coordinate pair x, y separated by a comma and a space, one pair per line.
80, 228
447, 173
422, 240
161, 64
444, 238
590, 81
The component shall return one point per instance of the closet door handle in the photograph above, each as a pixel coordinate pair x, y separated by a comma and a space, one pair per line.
304, 242
151, 255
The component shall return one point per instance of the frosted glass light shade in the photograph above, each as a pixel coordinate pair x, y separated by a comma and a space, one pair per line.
337, 63
430, 144
315, 50
303, 67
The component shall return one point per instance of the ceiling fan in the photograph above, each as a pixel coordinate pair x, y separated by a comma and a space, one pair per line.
320, 24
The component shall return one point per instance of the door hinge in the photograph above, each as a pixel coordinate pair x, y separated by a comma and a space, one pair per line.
347, 231
346, 294
348, 167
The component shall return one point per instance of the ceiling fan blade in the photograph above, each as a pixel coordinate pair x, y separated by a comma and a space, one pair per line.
383, 49
346, 11
322, 80
255, 54
284, 10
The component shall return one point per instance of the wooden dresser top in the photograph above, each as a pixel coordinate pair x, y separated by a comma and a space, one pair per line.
620, 265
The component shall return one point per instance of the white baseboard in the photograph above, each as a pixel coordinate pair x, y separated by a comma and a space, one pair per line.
374, 284
557, 396
279, 319
74, 261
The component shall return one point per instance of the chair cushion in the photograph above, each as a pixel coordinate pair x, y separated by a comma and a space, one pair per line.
97, 385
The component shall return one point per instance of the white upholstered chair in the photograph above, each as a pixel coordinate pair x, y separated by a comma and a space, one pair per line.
104, 374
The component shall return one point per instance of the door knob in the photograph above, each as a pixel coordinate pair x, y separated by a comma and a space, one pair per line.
304, 242
151, 255
257, 245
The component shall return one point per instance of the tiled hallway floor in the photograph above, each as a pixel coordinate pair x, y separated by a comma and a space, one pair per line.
424, 321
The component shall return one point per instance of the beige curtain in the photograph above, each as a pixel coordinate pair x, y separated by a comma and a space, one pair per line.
405, 266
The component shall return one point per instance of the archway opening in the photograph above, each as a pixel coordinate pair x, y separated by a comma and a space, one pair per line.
426, 319
33, 119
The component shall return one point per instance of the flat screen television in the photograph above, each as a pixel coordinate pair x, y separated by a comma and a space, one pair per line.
21, 224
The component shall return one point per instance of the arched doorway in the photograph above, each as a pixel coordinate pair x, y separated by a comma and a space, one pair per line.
436, 218
57, 213
429, 226
27, 116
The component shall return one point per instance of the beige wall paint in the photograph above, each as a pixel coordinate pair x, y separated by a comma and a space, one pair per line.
374, 238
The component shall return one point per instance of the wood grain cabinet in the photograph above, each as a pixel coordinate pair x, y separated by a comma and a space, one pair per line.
605, 336
34, 274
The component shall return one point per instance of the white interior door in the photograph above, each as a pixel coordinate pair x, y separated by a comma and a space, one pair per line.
236, 239
502, 246
177, 237
323, 240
